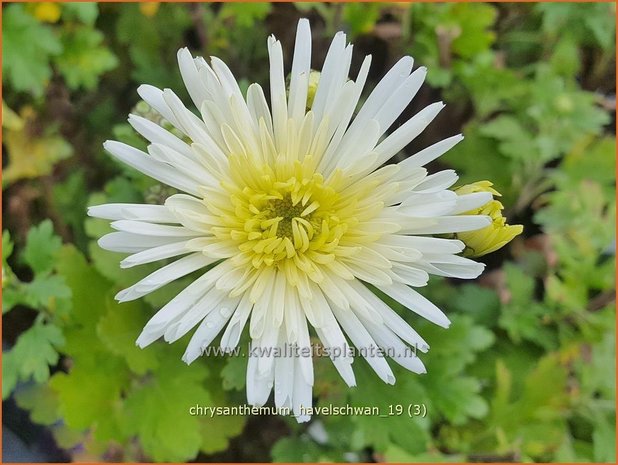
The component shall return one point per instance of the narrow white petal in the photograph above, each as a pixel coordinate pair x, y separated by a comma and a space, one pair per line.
142, 162
301, 67
471, 201
424, 156
152, 229
208, 329
365, 343
132, 243
191, 78
385, 88
154, 97
234, 329
156, 134
417, 303
407, 132
444, 224
392, 320
132, 211
302, 395
397, 102
156, 253
165, 275
277, 92
175, 308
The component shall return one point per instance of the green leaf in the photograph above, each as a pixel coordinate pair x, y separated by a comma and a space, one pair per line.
604, 440
245, 14
159, 410
47, 292
407, 432
84, 57
90, 397
41, 401
34, 352
532, 421
120, 327
7, 246
217, 430
480, 303
361, 17
27, 47
69, 199
295, 450
458, 398
234, 373
41, 247
522, 316
515, 141
86, 12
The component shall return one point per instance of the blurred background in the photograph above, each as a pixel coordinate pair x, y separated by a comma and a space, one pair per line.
526, 372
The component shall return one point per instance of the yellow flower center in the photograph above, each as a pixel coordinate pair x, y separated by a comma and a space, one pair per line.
283, 214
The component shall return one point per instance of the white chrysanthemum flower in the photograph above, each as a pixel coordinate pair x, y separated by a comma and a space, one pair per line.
293, 212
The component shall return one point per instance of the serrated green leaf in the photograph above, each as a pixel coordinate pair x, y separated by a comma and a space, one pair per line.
41, 401
84, 57
234, 373
27, 47
120, 327
245, 14
41, 246
217, 430
532, 421
295, 450
159, 410
90, 397
34, 352
49, 292
86, 12
407, 432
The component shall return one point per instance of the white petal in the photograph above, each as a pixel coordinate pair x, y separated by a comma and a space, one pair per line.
132, 211
152, 229
365, 343
444, 224
424, 156
156, 253
142, 162
154, 97
165, 275
397, 102
471, 201
392, 320
209, 328
234, 329
191, 78
301, 67
417, 303
156, 134
403, 135
277, 92
132, 243
178, 306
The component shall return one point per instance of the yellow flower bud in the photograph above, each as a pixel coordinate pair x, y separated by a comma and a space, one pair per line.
494, 236
149, 9
46, 12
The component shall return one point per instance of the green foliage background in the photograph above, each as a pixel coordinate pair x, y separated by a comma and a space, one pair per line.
525, 373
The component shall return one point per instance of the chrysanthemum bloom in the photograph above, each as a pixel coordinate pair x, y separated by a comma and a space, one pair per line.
291, 213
